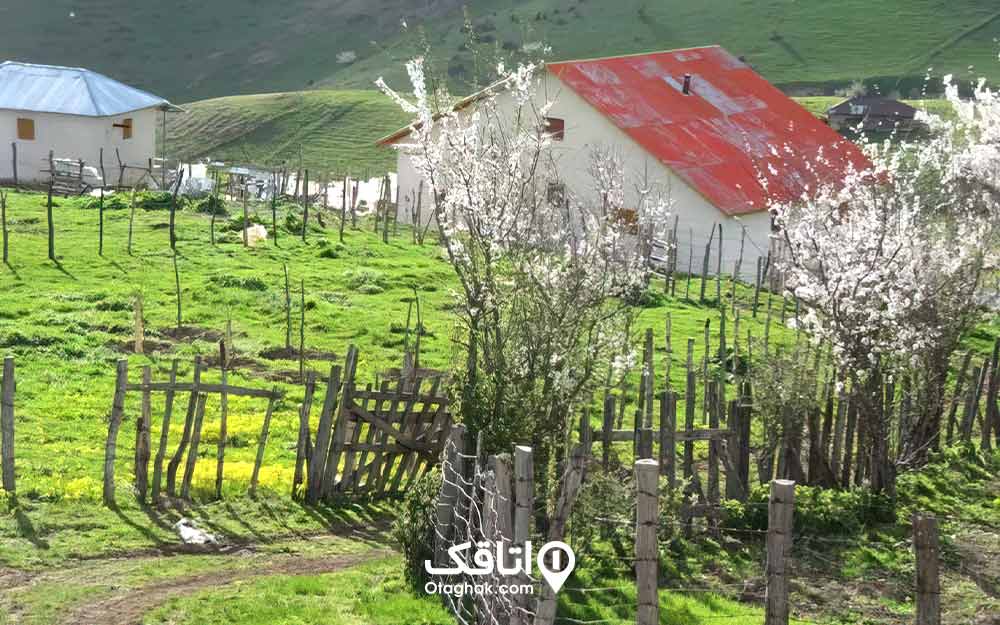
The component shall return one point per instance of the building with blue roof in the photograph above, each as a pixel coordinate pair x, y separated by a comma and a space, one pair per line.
74, 113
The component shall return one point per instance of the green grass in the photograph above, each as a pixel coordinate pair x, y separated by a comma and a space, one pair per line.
196, 50
332, 131
372, 594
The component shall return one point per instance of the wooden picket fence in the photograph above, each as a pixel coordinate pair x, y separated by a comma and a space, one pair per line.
367, 442
379, 442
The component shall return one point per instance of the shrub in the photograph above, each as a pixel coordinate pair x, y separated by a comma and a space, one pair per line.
413, 529
367, 281
211, 205
252, 283
115, 201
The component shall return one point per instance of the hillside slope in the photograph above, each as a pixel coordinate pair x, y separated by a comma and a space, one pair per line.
334, 131
193, 50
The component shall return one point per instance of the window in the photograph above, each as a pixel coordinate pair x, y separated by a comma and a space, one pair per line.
25, 129
628, 218
556, 128
556, 194
126, 126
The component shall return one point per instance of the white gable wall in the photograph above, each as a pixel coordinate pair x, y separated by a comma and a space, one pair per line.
76, 137
587, 129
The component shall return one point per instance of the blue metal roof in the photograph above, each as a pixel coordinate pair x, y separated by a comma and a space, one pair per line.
69, 90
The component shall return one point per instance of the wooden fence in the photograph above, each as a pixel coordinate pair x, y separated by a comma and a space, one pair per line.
371, 442
367, 442
491, 501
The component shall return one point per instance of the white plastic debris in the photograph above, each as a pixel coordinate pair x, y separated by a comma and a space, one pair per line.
191, 535
256, 234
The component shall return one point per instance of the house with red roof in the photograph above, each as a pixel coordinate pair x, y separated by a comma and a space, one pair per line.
699, 122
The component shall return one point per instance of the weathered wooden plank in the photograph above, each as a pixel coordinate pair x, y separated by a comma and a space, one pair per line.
192, 456
111, 446
261, 444
7, 425
208, 389
192, 407
647, 553
142, 442
781, 507
317, 468
161, 450
302, 447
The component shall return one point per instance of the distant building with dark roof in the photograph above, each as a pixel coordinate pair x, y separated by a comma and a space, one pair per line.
872, 114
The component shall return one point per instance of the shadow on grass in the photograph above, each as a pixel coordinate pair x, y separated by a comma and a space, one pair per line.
25, 528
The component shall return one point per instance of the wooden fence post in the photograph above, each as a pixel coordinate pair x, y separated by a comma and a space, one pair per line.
524, 504
13, 148
3, 226
175, 460
140, 329
110, 447
142, 442
7, 424
161, 450
220, 451
925, 544
780, 511
302, 448
609, 424
317, 468
647, 562
192, 456
262, 443
668, 437
52, 234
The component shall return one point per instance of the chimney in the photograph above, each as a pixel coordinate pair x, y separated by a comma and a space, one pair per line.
687, 84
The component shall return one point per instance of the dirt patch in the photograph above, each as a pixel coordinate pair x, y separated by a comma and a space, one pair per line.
149, 346
290, 353
188, 334
128, 608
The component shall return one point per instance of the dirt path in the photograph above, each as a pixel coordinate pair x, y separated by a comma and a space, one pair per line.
128, 608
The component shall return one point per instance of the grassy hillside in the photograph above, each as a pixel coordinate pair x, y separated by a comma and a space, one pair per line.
330, 130
194, 50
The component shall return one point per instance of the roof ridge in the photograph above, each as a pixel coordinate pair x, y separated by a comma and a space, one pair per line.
90, 92
634, 54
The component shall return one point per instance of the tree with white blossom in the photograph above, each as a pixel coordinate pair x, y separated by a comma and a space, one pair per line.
545, 272
892, 262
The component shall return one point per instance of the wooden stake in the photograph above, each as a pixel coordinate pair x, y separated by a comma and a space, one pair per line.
647, 560
925, 544
142, 442
52, 233
220, 456
192, 456
288, 312
192, 408
161, 450
140, 328
7, 424
261, 444
3, 221
111, 446
780, 511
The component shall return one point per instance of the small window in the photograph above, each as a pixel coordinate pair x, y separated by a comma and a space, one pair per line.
25, 129
556, 128
628, 218
126, 126
556, 194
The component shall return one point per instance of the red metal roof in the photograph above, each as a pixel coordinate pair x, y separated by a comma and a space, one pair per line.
733, 128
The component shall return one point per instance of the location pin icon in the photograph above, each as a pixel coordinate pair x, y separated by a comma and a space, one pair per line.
563, 563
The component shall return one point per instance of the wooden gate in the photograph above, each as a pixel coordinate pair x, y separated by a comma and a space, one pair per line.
383, 438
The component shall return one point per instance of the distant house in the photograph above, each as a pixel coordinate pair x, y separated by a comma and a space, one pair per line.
700, 122
73, 113
872, 114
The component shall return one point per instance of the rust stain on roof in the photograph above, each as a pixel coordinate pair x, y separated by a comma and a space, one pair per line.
731, 129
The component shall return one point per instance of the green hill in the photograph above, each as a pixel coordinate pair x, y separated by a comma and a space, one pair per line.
189, 50
334, 131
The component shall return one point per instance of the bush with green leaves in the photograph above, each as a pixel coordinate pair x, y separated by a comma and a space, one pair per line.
113, 201
365, 280
413, 529
211, 205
